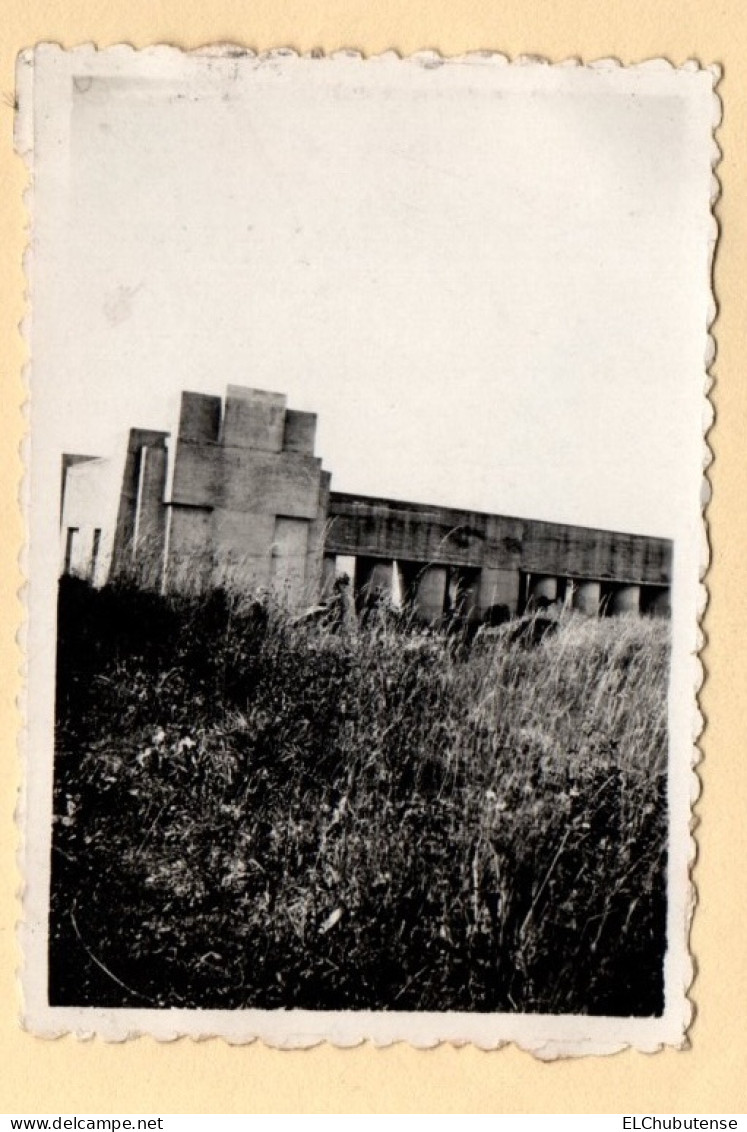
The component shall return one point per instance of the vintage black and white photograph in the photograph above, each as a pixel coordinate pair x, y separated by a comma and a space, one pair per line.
367, 402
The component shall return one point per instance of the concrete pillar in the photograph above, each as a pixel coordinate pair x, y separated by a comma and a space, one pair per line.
625, 599
464, 593
347, 564
344, 599
543, 586
659, 603
373, 584
399, 586
329, 572
498, 587
149, 536
267, 494
431, 593
379, 577
586, 597
290, 547
189, 566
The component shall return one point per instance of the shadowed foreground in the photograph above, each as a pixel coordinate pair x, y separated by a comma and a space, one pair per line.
251, 812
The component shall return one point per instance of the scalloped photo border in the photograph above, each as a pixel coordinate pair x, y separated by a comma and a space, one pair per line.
547, 1037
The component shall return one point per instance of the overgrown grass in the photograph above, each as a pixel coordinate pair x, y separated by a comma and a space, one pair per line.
251, 812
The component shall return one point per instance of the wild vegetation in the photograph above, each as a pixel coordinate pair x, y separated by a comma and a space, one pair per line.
255, 812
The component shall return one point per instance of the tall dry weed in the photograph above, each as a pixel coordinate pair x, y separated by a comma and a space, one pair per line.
256, 812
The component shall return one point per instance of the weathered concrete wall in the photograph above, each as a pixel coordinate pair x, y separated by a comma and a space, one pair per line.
543, 587
625, 599
431, 592
315, 554
656, 600
385, 528
247, 487
499, 587
150, 514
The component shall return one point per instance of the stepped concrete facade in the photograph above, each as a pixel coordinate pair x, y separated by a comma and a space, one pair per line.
238, 497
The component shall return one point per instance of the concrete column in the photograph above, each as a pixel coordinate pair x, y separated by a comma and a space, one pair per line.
315, 577
543, 586
498, 587
464, 593
431, 593
379, 579
659, 603
625, 599
399, 586
150, 517
373, 584
263, 487
130, 493
586, 597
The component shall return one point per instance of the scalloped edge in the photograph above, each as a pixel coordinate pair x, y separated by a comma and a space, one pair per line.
547, 1048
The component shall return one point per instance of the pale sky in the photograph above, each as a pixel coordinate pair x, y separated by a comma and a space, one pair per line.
491, 287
